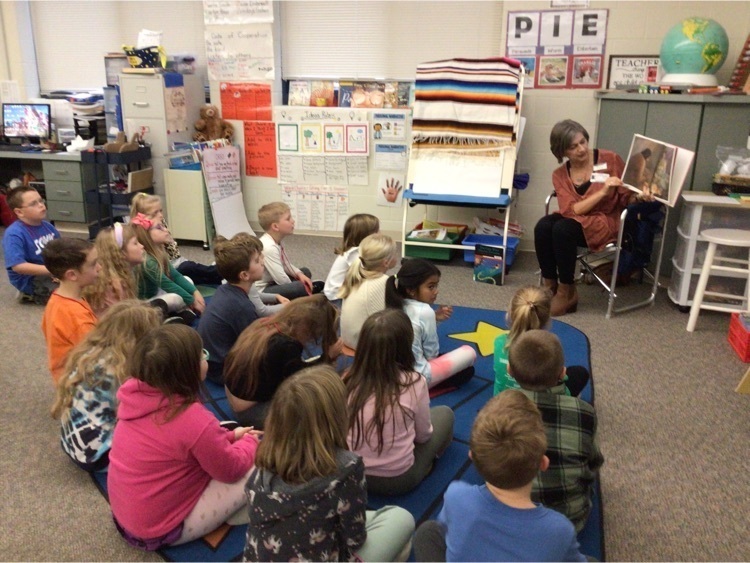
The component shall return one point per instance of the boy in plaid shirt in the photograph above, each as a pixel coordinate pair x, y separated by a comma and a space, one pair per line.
536, 361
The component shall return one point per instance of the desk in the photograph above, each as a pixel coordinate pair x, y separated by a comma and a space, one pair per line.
66, 181
501, 203
705, 210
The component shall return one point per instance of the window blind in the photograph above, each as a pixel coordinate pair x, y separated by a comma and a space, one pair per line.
382, 39
72, 37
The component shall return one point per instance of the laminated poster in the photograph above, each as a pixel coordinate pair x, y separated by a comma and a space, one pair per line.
390, 190
260, 149
357, 137
390, 157
566, 46
329, 170
176, 109
237, 11
249, 101
288, 137
333, 138
388, 126
317, 208
311, 137
240, 52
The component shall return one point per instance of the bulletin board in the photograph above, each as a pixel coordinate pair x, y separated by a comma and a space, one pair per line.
559, 48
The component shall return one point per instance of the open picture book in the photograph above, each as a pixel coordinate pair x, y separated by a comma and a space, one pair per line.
657, 168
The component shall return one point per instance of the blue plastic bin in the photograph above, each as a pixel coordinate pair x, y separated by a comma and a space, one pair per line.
490, 240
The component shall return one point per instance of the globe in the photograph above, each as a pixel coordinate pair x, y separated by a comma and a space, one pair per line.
692, 52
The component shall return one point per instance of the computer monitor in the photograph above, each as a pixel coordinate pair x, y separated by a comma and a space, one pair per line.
27, 121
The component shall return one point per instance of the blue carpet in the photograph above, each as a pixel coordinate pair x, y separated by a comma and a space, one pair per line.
479, 327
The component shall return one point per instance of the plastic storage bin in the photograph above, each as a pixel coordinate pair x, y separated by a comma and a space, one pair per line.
490, 240
739, 338
434, 253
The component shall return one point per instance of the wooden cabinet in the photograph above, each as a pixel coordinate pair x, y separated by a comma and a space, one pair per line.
697, 123
164, 108
705, 211
187, 206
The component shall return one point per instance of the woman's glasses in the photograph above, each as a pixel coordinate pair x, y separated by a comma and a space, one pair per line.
205, 354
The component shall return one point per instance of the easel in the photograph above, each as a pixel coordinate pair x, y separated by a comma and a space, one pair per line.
506, 163
501, 203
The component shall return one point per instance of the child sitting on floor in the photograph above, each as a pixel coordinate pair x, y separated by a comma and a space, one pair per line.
391, 424
498, 521
536, 361
174, 473
118, 253
266, 304
150, 206
240, 262
271, 350
67, 317
414, 289
85, 403
23, 243
157, 276
530, 310
363, 292
307, 495
356, 228
281, 276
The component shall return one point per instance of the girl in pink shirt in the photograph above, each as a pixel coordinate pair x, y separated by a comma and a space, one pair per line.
175, 474
391, 424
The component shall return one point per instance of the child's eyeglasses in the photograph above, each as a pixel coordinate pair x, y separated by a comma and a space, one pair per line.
37, 203
205, 354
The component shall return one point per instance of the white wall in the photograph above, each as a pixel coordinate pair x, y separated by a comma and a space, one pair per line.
633, 28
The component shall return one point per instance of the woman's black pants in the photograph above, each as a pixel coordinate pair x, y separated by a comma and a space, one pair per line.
556, 239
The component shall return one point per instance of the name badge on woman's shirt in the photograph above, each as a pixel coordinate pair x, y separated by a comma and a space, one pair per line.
598, 177
600, 166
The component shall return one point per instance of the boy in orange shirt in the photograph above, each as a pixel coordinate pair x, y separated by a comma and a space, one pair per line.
67, 317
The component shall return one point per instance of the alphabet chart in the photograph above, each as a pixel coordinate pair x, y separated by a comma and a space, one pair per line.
566, 46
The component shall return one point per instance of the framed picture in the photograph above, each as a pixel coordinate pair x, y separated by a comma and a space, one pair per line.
629, 71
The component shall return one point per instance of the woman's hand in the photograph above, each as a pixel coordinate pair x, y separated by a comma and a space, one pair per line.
199, 304
611, 183
588, 204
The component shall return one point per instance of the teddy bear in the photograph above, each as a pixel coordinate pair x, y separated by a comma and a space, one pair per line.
210, 126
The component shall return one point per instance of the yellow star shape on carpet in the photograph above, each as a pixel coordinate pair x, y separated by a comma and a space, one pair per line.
483, 336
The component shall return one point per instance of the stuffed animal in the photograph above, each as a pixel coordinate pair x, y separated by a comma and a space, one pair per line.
210, 126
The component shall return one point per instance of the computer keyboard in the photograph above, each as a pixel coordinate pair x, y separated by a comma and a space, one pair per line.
12, 148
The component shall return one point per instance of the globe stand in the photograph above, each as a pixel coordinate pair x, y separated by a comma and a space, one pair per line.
691, 79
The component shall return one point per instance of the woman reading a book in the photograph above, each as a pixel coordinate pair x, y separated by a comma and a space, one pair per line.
591, 197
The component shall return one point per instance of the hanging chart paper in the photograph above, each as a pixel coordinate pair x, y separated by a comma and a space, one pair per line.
240, 52
237, 11
260, 149
247, 101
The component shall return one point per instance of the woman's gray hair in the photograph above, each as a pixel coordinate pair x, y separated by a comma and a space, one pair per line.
562, 136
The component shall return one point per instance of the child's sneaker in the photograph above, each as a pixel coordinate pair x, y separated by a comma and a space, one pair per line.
24, 297
317, 286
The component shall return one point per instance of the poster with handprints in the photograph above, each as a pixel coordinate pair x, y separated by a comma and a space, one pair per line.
333, 138
357, 137
311, 137
390, 189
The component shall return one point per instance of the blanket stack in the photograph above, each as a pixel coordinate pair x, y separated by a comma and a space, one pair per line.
464, 126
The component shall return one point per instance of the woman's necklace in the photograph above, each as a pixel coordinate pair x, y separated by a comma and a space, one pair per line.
581, 174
